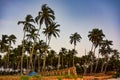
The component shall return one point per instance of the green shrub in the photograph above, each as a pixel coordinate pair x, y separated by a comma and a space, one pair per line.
60, 78
25, 78
37, 76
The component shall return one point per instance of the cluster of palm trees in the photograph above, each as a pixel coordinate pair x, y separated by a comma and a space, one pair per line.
35, 54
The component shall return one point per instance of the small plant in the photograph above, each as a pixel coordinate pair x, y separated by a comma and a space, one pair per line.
25, 78
60, 78
116, 75
37, 76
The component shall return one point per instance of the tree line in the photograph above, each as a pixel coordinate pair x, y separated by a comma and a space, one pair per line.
35, 54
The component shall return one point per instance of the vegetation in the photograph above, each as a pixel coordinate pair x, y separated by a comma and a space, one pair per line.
35, 54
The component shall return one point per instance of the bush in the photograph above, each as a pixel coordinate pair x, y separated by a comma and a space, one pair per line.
37, 76
116, 75
25, 78
60, 78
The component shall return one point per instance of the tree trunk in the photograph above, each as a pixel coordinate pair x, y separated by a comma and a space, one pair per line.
27, 66
31, 56
38, 64
58, 63
102, 67
44, 61
97, 63
34, 61
22, 53
73, 61
85, 68
62, 61
91, 64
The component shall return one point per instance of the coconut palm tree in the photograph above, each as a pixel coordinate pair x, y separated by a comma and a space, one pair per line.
33, 36
3, 43
11, 39
27, 27
46, 15
74, 38
95, 36
50, 31
62, 53
105, 50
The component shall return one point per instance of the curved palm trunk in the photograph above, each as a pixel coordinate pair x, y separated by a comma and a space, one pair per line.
97, 63
31, 55
44, 61
22, 53
106, 64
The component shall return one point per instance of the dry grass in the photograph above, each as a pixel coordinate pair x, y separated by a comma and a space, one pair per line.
105, 77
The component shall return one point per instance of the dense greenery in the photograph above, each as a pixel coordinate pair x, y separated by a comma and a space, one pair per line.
35, 54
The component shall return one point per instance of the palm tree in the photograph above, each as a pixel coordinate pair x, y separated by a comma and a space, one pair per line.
105, 50
3, 43
62, 53
11, 39
51, 55
46, 15
27, 27
49, 32
33, 36
95, 36
74, 38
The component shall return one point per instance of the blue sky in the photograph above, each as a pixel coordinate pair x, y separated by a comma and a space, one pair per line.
73, 15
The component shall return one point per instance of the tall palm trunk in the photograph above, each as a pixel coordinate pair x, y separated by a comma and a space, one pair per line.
85, 63
44, 61
31, 56
27, 65
73, 56
34, 62
22, 53
97, 63
106, 64
39, 63
102, 67
62, 61
58, 63
91, 64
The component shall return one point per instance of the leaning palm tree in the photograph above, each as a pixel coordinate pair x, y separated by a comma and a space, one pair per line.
74, 38
95, 36
51, 30
27, 27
